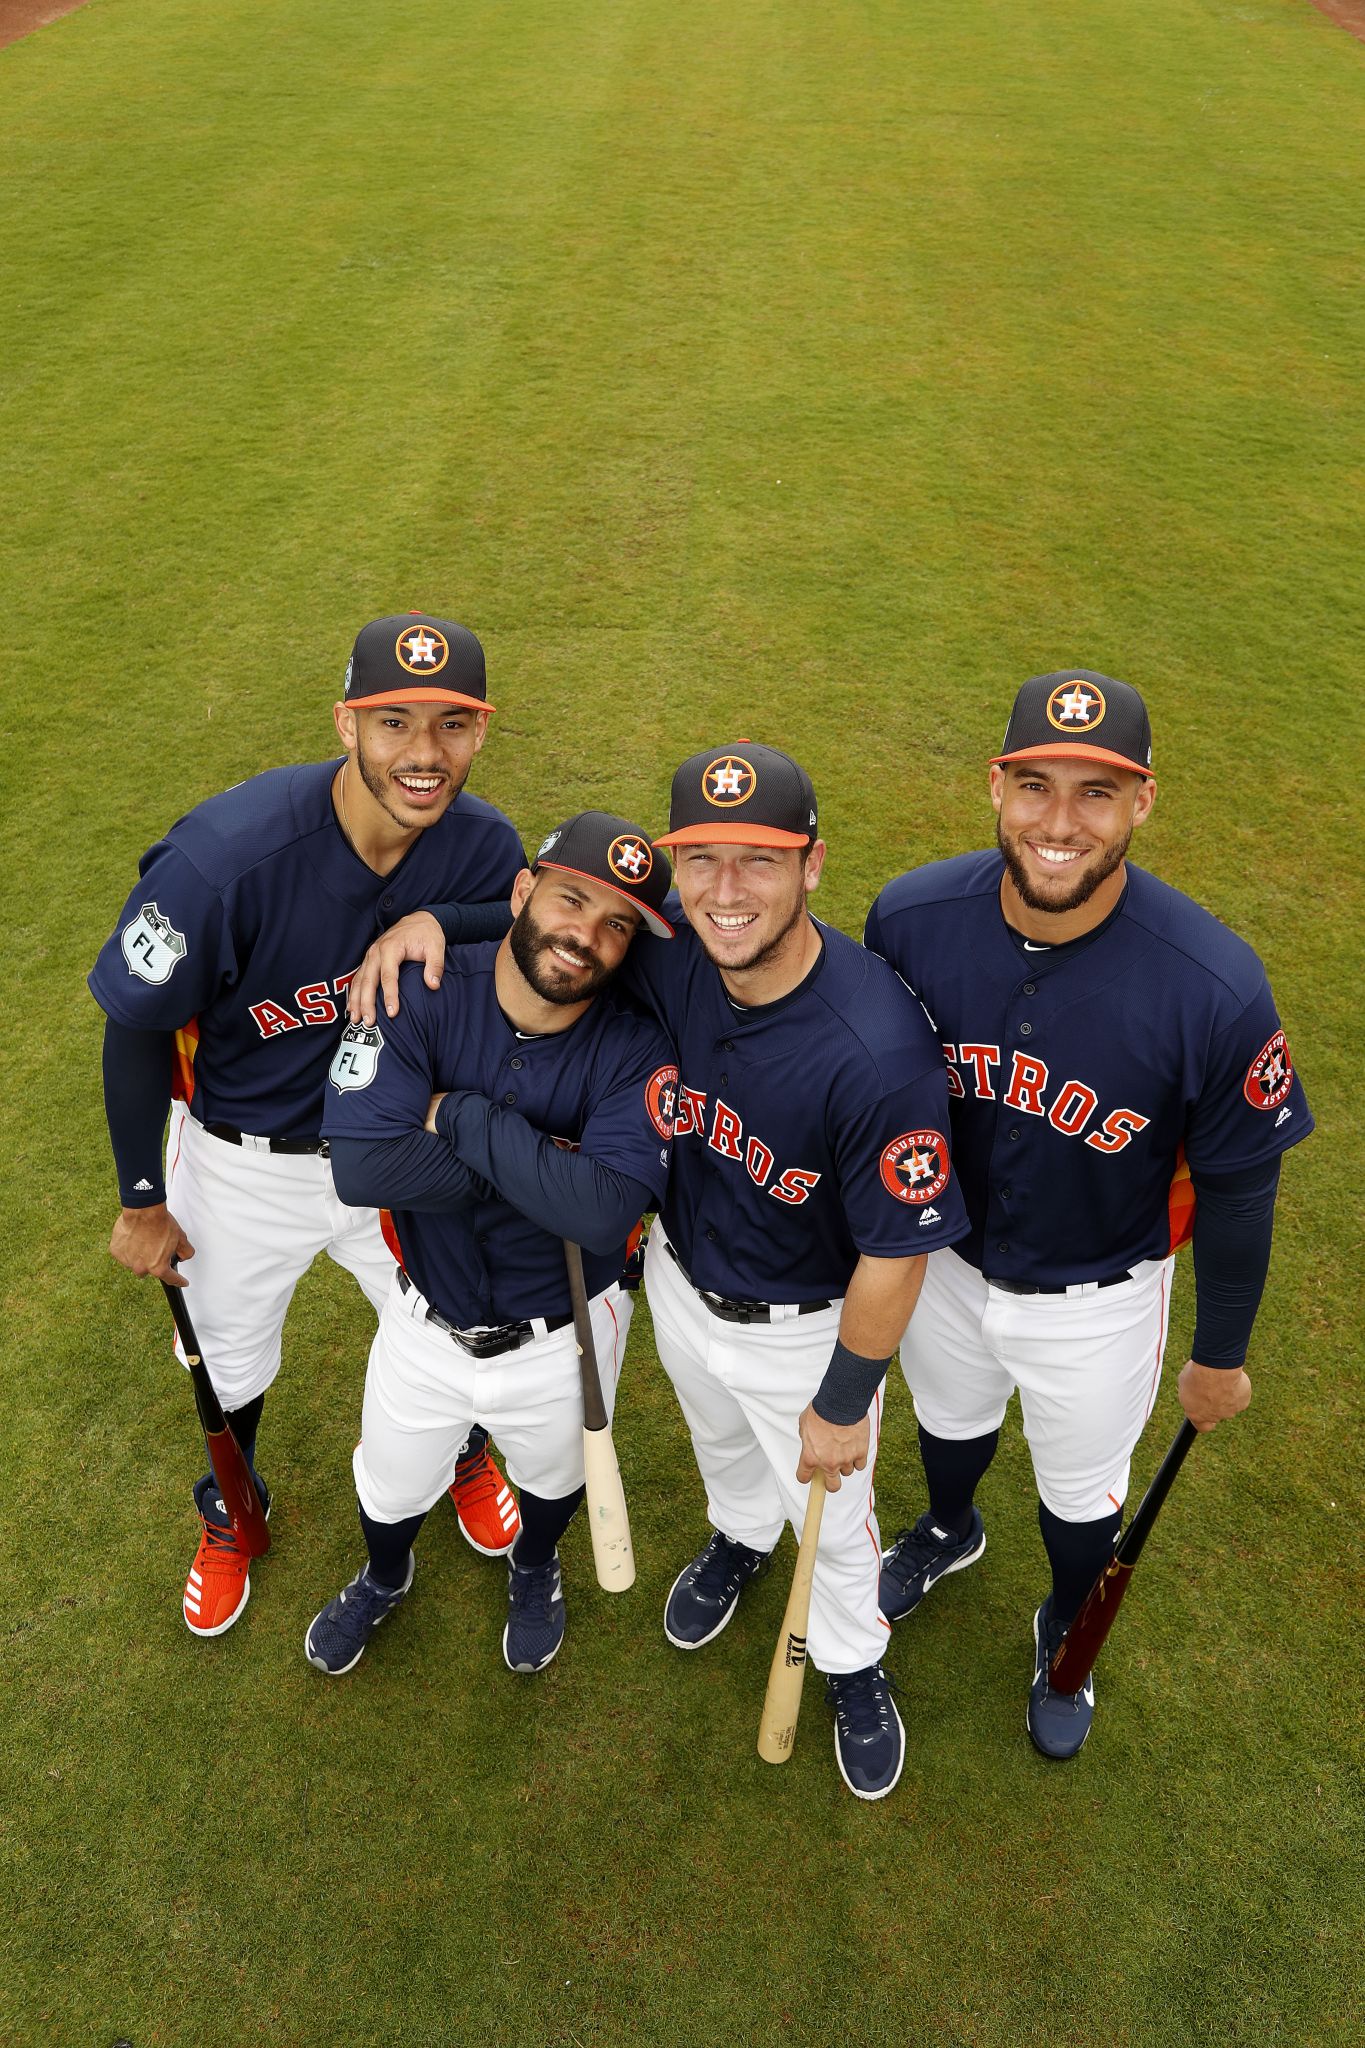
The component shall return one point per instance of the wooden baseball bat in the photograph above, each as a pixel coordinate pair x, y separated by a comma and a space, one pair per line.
230, 1467
1083, 1641
782, 1701
612, 1552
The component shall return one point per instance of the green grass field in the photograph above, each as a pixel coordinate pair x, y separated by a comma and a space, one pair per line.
809, 373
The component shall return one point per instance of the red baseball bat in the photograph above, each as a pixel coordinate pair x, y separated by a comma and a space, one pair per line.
230, 1467
1083, 1641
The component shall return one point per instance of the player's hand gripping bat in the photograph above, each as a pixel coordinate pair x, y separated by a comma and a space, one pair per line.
782, 1701
230, 1468
611, 1547
1083, 1641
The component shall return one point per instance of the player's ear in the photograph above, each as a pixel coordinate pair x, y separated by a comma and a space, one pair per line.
521, 889
480, 729
815, 861
997, 784
343, 717
1143, 801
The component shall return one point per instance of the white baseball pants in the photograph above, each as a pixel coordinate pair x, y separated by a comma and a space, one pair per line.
257, 1221
742, 1388
422, 1392
1087, 1367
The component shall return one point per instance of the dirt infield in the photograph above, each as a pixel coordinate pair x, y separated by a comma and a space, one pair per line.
21, 17
1348, 14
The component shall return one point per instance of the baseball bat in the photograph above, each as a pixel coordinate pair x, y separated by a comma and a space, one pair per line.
1083, 1641
230, 1468
612, 1553
782, 1701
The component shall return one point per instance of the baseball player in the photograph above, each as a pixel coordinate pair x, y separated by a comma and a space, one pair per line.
224, 984
810, 1177
514, 1107
1115, 1060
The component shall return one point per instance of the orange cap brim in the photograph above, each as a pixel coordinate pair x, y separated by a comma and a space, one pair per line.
421, 695
1066, 752
733, 835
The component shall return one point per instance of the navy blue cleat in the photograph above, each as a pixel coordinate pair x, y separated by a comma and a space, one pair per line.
869, 1740
535, 1616
337, 1637
706, 1592
920, 1557
1058, 1722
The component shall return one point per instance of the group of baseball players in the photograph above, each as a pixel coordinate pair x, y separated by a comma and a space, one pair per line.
976, 1139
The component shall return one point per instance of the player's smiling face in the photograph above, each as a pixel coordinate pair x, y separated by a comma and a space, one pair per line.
747, 904
570, 934
1064, 826
414, 759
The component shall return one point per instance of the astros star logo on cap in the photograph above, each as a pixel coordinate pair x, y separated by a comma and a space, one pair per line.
630, 858
1075, 706
729, 781
422, 650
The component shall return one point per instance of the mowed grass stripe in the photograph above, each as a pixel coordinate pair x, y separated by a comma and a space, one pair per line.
1044, 324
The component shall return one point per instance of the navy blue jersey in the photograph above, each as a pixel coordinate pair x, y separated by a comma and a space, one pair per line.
253, 913
1083, 1077
603, 1087
809, 1130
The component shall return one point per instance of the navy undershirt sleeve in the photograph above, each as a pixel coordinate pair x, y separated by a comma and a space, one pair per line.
137, 1099
1234, 1219
466, 924
567, 1193
415, 1171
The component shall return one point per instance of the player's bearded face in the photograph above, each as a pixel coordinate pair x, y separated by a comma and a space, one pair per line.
1062, 836
414, 766
545, 956
744, 903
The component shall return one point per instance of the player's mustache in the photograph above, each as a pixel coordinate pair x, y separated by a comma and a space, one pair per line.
578, 953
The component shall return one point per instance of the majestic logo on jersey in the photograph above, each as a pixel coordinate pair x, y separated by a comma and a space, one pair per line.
422, 650
630, 858
357, 1057
661, 1100
152, 946
915, 1166
729, 781
1270, 1075
1075, 707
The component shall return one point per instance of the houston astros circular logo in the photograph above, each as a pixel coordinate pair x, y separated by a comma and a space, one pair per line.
661, 1100
915, 1166
1270, 1075
630, 858
422, 650
729, 781
1075, 706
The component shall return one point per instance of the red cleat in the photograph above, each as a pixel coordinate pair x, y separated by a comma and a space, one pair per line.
486, 1505
218, 1586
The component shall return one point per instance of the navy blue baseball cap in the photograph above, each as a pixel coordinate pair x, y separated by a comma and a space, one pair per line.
744, 795
413, 658
616, 854
1080, 715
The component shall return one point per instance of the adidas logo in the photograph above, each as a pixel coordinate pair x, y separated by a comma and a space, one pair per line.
930, 1215
142, 1187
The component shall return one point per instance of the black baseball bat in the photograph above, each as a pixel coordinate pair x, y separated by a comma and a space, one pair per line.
1083, 1641
230, 1467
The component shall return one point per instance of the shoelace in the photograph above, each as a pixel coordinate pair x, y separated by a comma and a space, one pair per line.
912, 1554
479, 1480
860, 1702
220, 1540
721, 1563
533, 1591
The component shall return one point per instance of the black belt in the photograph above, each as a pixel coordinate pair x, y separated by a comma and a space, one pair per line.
1022, 1287
319, 1146
484, 1343
739, 1311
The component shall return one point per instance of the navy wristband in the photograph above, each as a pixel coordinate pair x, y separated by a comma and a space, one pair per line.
849, 1387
